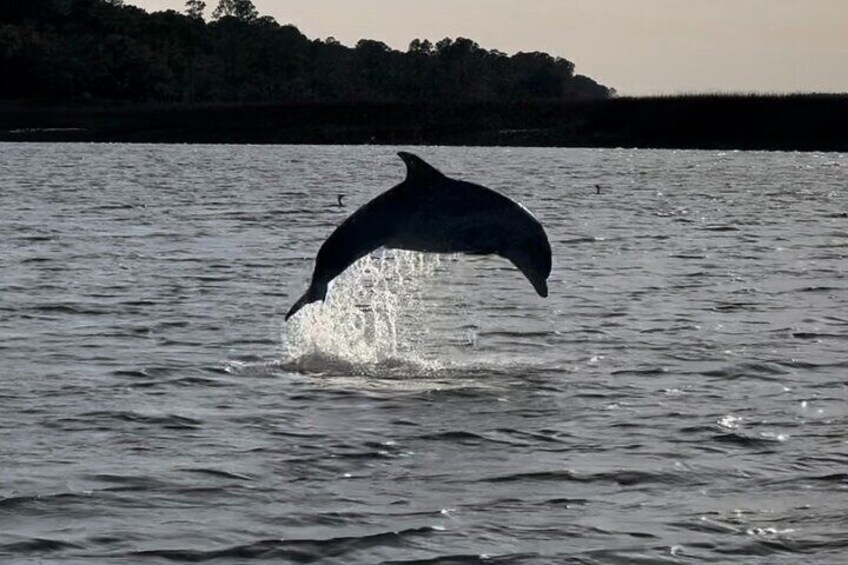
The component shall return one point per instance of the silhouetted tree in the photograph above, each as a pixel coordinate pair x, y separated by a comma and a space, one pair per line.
418, 46
195, 9
97, 49
243, 10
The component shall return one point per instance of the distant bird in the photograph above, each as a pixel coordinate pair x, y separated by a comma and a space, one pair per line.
341, 198
432, 213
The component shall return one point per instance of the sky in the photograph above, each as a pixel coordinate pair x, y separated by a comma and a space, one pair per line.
638, 47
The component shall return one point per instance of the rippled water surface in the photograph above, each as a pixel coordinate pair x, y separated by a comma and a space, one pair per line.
679, 398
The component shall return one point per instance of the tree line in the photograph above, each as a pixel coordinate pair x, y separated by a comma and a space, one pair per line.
86, 50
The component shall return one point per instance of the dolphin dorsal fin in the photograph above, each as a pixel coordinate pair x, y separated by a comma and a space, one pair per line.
419, 171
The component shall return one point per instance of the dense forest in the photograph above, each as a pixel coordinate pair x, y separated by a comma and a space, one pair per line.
102, 50
100, 70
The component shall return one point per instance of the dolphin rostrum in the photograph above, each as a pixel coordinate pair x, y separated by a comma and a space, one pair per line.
433, 213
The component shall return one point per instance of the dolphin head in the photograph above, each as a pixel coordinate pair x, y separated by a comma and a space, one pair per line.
532, 255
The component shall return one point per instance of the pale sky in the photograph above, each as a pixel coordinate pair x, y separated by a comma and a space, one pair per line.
635, 46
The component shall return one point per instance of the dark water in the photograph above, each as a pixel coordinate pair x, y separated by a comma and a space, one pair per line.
679, 398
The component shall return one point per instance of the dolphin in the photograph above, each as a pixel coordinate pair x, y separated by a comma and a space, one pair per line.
433, 213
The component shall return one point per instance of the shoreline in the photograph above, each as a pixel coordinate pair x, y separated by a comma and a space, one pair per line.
814, 122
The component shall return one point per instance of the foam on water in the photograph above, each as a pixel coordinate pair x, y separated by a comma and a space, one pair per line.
372, 321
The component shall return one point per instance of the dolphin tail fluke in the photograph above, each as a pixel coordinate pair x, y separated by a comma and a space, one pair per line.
311, 295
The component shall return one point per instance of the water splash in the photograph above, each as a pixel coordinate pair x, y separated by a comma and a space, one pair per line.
373, 320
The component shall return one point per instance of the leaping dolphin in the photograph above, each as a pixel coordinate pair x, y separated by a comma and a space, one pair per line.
433, 213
